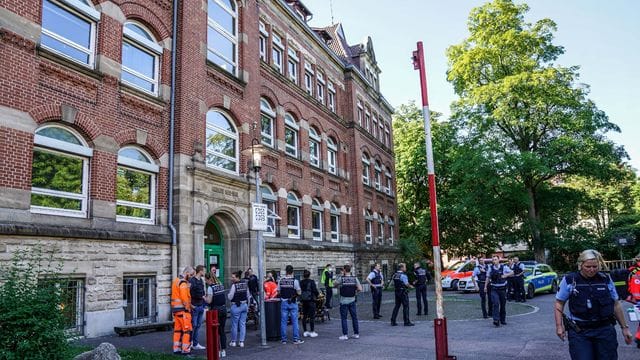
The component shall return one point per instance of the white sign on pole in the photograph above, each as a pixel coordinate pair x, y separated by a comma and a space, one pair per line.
258, 217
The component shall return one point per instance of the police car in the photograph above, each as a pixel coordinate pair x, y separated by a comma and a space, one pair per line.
539, 278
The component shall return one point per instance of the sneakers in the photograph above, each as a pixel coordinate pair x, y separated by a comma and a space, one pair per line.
284, 342
343, 337
409, 324
233, 344
199, 347
356, 336
223, 353
313, 334
298, 341
241, 344
306, 334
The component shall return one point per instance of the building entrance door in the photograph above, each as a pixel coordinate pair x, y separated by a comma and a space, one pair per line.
213, 247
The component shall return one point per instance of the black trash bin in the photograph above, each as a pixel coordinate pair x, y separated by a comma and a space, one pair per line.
272, 318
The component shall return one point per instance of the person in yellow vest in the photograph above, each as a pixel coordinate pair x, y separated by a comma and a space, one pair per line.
181, 310
327, 280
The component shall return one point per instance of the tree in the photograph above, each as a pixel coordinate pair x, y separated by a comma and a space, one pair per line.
530, 116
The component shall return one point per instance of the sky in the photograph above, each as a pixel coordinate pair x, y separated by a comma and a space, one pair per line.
602, 37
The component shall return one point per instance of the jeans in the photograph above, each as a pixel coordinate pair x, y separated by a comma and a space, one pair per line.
351, 309
239, 322
402, 298
222, 321
499, 302
596, 344
421, 294
376, 299
308, 315
289, 309
328, 292
197, 314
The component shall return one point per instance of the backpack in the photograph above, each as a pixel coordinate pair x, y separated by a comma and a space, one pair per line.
306, 294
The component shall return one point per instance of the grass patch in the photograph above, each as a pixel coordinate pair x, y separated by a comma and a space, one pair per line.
127, 354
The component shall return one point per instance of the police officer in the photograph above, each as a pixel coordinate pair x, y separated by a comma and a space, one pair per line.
422, 276
217, 301
497, 276
593, 311
349, 288
479, 279
239, 296
375, 280
289, 289
518, 280
401, 284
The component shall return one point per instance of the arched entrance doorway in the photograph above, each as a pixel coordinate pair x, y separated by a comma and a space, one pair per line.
213, 246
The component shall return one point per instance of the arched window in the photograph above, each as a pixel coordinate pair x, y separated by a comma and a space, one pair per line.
392, 230
60, 172
332, 155
380, 228
269, 199
335, 223
291, 135
293, 216
69, 29
140, 58
317, 219
378, 175
267, 116
222, 143
366, 169
314, 147
222, 34
135, 186
389, 187
367, 226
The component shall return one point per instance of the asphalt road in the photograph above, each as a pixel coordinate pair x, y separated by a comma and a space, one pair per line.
529, 334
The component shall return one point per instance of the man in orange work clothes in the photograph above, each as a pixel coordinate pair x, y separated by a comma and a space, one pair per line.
634, 290
181, 310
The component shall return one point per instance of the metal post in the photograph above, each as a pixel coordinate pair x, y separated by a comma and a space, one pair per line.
440, 322
261, 271
213, 339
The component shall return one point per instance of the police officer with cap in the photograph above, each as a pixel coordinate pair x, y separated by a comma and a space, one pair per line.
422, 276
401, 284
593, 311
497, 276
375, 280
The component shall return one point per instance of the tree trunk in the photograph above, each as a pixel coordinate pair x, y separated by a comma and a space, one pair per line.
534, 224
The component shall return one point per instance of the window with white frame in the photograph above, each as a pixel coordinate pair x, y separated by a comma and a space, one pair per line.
317, 219
389, 187
332, 156
387, 135
293, 65
380, 229
374, 127
277, 48
140, 58
139, 297
360, 112
293, 216
291, 129
136, 186
391, 230
262, 39
335, 223
267, 120
69, 29
367, 227
222, 34
269, 199
60, 172
378, 175
331, 96
366, 169
222, 143
381, 130
314, 147
367, 120
308, 77
320, 87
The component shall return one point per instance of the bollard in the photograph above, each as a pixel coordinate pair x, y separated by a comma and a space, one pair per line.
442, 345
213, 339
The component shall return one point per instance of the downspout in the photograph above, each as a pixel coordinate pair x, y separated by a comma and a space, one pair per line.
172, 117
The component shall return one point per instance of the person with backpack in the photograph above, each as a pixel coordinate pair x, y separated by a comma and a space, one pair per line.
218, 302
308, 296
497, 276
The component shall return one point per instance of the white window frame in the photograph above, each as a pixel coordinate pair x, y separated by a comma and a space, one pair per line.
317, 210
374, 125
387, 133
331, 96
308, 77
277, 48
380, 229
332, 156
145, 45
228, 134
367, 228
360, 112
335, 214
233, 38
320, 87
267, 111
84, 12
293, 231
293, 65
291, 125
366, 169
262, 38
378, 176
381, 130
388, 188
271, 200
391, 230
147, 168
367, 120
315, 158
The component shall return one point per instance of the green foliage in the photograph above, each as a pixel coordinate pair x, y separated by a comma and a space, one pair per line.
31, 323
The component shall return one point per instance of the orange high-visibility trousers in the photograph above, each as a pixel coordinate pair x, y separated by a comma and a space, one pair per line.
182, 332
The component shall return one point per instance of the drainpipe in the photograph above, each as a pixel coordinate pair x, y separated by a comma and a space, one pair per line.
172, 117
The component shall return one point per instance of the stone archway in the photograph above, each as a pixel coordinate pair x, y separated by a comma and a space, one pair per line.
225, 227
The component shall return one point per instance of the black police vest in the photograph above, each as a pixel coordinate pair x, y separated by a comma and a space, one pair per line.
241, 292
482, 275
197, 291
591, 299
496, 276
218, 296
348, 286
421, 276
516, 269
377, 278
398, 283
287, 288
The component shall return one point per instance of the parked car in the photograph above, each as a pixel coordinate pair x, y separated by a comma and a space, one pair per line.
466, 284
458, 270
539, 278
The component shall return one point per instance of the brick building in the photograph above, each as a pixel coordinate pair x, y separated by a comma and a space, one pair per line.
85, 117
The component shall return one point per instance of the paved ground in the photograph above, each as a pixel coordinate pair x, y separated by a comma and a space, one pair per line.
529, 334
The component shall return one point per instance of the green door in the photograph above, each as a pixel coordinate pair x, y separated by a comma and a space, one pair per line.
213, 249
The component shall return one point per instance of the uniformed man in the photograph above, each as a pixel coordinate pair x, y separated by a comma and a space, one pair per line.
217, 302
518, 280
375, 280
401, 284
479, 279
327, 280
289, 289
497, 276
181, 310
349, 287
422, 276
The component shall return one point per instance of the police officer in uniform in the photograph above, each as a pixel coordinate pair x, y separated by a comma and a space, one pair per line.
422, 276
518, 280
479, 279
349, 288
497, 276
401, 284
375, 281
217, 302
239, 296
289, 289
593, 311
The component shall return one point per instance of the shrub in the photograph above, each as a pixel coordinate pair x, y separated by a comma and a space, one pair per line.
31, 321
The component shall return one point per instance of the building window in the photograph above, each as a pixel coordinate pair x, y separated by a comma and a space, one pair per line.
391, 230
366, 169
331, 96
139, 299
320, 88
291, 135
314, 147
276, 51
140, 58
374, 127
367, 120
381, 130
222, 143
69, 29
308, 77
222, 36
135, 186
387, 135
59, 173
293, 216
378, 176
264, 35
389, 187
293, 65
380, 229
316, 219
332, 156
267, 116
335, 223
367, 227
72, 304
269, 199
360, 112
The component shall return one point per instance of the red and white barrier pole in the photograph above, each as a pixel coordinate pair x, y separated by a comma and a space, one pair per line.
440, 322
213, 339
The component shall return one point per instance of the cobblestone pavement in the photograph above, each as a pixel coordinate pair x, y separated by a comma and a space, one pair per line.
529, 334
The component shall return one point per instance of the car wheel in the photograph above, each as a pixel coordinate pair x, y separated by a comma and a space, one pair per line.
530, 291
454, 285
554, 287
